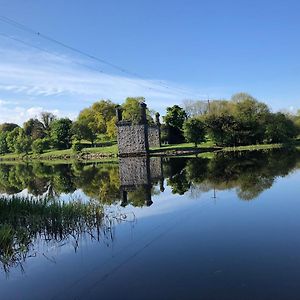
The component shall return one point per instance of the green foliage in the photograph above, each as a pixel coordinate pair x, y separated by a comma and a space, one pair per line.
280, 129
40, 145
3, 143
61, 133
174, 120
34, 129
222, 129
194, 130
81, 131
111, 129
24, 220
95, 119
245, 121
132, 110
76, 146
22, 143
10, 139
7, 127
46, 119
175, 116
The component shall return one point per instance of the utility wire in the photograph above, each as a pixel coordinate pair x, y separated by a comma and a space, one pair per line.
81, 52
76, 62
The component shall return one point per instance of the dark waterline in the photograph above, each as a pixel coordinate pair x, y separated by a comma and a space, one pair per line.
198, 228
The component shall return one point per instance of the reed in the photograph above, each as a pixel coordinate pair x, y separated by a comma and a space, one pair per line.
23, 220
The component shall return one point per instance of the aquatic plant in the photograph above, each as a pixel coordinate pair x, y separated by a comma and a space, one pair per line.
24, 220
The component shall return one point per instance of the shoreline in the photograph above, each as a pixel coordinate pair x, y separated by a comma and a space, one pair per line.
165, 151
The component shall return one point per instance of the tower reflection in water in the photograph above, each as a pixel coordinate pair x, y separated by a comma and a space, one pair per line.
137, 177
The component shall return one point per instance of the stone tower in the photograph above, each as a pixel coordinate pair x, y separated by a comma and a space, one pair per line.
132, 138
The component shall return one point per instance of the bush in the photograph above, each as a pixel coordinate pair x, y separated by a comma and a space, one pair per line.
40, 145
76, 146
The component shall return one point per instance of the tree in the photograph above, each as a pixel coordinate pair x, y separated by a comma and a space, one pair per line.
7, 127
240, 97
222, 129
132, 110
11, 138
104, 111
194, 108
34, 128
111, 128
40, 145
97, 117
280, 129
3, 143
61, 133
22, 143
47, 118
174, 119
82, 131
194, 130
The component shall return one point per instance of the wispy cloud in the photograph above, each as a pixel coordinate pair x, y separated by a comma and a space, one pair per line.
42, 81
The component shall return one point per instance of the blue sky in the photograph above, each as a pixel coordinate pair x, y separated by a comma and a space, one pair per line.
198, 49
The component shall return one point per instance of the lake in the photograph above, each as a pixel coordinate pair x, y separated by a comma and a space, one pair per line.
223, 226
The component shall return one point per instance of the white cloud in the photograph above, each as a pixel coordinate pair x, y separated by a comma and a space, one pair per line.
37, 73
42, 81
20, 114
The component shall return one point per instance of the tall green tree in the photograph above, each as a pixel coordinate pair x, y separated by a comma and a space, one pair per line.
82, 131
194, 130
34, 128
22, 143
174, 119
97, 117
61, 134
132, 110
280, 129
47, 118
11, 138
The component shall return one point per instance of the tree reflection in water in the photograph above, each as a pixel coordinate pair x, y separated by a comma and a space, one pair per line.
43, 217
137, 179
249, 173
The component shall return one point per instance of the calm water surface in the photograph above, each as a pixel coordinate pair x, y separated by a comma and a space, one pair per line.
225, 227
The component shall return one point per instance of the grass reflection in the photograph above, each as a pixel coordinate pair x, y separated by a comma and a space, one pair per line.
23, 221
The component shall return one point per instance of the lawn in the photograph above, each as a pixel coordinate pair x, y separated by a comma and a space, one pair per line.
55, 153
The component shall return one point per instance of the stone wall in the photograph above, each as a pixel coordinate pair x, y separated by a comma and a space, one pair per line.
132, 139
138, 174
156, 169
136, 171
135, 139
153, 136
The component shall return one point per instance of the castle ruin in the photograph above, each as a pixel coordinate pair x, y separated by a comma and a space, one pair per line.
136, 139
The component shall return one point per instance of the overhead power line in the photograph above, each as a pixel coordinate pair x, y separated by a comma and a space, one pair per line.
78, 51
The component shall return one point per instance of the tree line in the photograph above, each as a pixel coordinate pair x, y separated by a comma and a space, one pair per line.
93, 124
242, 120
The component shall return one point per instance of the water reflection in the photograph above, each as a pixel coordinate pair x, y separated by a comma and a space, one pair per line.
27, 226
138, 178
249, 173
134, 180
35, 219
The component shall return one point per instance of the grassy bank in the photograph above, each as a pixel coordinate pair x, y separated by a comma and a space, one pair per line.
95, 153
111, 152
